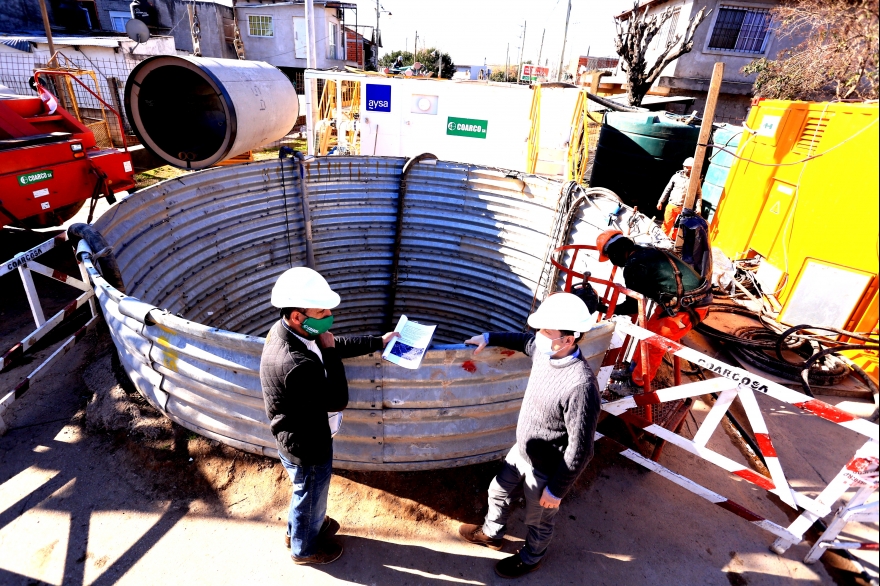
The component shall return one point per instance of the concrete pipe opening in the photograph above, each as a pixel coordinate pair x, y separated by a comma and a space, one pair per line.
199, 255
194, 112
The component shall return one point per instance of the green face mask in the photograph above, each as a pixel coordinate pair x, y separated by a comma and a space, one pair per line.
316, 327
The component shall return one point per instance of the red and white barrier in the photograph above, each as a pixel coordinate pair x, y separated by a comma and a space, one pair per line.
41, 371
25, 264
733, 382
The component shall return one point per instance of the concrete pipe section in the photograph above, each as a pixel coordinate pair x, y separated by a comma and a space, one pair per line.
199, 255
193, 112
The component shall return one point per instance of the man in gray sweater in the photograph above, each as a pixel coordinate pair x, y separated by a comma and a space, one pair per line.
554, 433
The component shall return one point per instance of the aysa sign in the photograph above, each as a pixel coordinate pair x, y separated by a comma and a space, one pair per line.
467, 127
378, 98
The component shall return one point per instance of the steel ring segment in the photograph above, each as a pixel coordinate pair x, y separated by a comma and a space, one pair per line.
205, 248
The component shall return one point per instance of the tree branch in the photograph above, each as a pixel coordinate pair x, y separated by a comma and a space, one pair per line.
671, 54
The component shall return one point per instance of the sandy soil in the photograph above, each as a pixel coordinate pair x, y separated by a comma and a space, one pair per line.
96, 487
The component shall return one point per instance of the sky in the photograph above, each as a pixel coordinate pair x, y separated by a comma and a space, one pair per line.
474, 30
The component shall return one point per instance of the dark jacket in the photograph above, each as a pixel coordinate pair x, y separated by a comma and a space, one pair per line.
648, 271
299, 394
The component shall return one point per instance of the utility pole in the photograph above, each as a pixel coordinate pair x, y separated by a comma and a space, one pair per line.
48, 28
311, 87
507, 65
416, 47
700, 154
541, 50
521, 49
378, 34
564, 38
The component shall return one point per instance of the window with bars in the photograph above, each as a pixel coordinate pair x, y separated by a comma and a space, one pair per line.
673, 24
741, 30
260, 26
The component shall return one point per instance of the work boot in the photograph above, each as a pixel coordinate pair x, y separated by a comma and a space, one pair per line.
621, 373
514, 567
474, 534
624, 388
327, 553
329, 528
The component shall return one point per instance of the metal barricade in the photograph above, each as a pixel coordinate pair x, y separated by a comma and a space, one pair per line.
25, 264
733, 382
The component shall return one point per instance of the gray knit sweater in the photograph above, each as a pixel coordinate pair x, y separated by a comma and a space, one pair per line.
559, 413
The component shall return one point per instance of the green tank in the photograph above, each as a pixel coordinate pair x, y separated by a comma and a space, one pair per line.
638, 152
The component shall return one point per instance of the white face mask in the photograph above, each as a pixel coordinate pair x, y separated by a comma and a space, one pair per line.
544, 345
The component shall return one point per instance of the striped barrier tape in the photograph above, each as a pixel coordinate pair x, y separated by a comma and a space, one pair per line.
731, 383
746, 379
16, 353
25, 257
42, 370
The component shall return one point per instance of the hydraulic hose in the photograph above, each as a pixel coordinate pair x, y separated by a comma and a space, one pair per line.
106, 264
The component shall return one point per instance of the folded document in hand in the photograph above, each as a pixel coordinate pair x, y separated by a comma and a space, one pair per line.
408, 349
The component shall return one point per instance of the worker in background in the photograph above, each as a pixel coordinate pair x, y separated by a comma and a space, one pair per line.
681, 294
304, 388
675, 193
554, 433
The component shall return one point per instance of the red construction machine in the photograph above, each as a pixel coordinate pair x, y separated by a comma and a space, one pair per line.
50, 160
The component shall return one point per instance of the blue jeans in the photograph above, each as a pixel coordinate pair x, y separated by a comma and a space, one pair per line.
308, 504
539, 520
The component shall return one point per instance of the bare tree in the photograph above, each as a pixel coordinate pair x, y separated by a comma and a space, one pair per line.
841, 35
634, 36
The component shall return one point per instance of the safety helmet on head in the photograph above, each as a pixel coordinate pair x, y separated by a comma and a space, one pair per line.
688, 162
563, 311
604, 239
305, 288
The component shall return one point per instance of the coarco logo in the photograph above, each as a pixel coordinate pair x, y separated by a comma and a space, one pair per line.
450, 126
35, 177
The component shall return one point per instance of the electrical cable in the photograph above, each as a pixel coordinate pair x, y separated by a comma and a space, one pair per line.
282, 152
754, 345
810, 158
806, 371
563, 207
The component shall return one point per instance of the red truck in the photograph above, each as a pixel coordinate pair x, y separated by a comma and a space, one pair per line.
50, 163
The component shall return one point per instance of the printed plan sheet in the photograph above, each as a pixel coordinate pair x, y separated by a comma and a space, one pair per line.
408, 349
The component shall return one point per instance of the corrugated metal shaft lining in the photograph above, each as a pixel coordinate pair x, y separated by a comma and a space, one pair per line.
207, 248
209, 245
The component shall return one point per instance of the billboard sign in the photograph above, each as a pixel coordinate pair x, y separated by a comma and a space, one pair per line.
534, 73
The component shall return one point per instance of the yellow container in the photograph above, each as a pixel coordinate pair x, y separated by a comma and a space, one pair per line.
803, 194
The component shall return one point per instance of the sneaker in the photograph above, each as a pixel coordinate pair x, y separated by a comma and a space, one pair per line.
329, 528
328, 552
474, 534
514, 567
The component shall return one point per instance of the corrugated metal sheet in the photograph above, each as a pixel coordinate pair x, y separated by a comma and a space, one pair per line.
208, 246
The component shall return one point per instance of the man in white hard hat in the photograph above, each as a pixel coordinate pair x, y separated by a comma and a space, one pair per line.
304, 386
554, 432
675, 193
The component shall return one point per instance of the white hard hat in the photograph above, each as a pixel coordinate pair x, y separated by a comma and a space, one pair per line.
688, 162
562, 311
305, 288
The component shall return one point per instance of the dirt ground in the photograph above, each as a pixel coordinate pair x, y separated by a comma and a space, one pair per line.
98, 488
